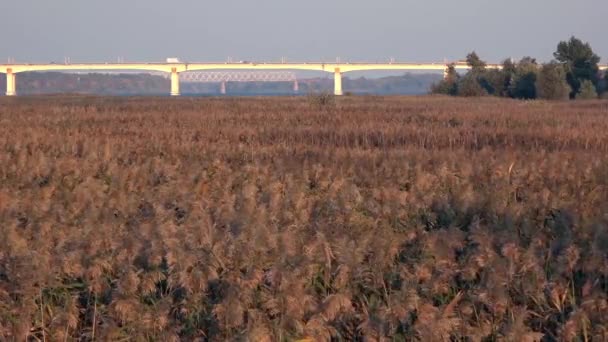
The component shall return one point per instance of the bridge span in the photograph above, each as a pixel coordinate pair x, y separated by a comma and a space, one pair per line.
174, 69
223, 77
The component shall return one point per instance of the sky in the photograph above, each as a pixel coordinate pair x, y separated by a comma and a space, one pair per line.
304, 30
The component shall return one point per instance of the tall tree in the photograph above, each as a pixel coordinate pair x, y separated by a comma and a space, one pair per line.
551, 83
508, 69
580, 63
488, 79
475, 62
452, 74
449, 85
523, 85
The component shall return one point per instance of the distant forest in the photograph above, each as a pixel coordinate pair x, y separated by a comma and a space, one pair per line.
144, 84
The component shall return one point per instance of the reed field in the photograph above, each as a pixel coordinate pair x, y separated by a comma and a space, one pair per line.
303, 218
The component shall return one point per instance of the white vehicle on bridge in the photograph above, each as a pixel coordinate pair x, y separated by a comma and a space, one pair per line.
173, 60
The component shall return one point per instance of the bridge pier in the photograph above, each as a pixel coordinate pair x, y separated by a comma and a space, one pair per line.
11, 83
337, 82
296, 86
174, 82
223, 88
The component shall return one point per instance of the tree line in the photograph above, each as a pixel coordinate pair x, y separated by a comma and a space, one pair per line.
573, 74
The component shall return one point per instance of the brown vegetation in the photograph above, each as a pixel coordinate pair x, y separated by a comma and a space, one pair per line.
369, 218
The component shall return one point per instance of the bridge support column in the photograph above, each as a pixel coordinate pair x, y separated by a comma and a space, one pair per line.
11, 83
296, 86
223, 88
174, 82
337, 82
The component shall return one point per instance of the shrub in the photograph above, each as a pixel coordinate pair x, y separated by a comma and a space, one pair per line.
322, 100
587, 91
444, 87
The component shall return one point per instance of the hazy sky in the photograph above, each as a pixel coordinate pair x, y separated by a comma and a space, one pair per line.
304, 30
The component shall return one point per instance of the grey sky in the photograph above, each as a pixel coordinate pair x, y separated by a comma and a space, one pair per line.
305, 30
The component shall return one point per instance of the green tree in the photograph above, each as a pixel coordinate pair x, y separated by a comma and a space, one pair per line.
493, 81
476, 64
551, 83
523, 83
603, 88
509, 66
451, 74
580, 63
587, 91
469, 86
508, 70
449, 85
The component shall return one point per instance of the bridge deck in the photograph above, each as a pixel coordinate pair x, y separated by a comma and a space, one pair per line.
182, 67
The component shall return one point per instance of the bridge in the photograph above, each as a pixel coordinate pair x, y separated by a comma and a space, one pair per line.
174, 69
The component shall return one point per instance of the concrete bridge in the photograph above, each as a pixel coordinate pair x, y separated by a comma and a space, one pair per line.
174, 69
